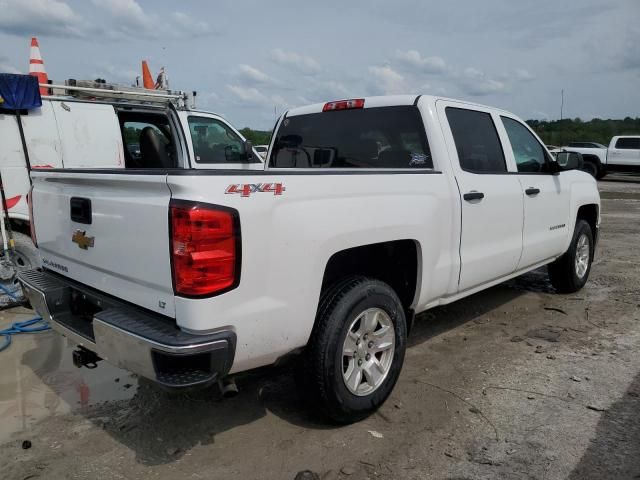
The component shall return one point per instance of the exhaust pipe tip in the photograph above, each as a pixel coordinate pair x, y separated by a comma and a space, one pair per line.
228, 387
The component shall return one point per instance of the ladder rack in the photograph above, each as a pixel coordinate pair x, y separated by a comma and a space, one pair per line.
111, 92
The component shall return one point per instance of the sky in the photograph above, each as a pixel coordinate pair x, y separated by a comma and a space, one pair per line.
250, 60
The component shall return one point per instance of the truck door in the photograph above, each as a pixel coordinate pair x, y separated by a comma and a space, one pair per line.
491, 233
624, 152
546, 196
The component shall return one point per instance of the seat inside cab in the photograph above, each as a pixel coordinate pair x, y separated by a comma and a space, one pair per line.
148, 139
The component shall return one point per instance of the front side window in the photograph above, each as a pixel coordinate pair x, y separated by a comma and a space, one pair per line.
215, 142
477, 142
628, 143
528, 152
381, 137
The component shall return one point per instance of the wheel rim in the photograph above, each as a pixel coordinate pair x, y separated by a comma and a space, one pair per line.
367, 352
21, 261
582, 256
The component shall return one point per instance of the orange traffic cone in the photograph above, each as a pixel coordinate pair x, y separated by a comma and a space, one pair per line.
36, 66
147, 79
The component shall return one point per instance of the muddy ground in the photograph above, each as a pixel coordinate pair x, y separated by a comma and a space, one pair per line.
514, 382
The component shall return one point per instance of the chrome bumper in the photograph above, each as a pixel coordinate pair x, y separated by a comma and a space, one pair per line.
130, 338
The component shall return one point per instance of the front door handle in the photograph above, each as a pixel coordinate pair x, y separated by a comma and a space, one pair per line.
473, 196
532, 191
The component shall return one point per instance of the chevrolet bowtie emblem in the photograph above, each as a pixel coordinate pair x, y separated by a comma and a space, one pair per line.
80, 237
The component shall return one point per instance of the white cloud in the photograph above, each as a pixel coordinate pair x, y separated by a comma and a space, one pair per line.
523, 75
476, 83
128, 18
189, 25
326, 90
414, 59
302, 63
253, 75
40, 17
387, 80
7, 67
251, 96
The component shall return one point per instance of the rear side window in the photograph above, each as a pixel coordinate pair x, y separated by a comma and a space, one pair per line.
215, 142
477, 142
148, 140
529, 153
628, 143
381, 137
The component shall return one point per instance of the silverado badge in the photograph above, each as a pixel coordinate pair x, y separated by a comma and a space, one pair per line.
80, 237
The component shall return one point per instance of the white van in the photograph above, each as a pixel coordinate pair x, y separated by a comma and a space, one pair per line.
103, 127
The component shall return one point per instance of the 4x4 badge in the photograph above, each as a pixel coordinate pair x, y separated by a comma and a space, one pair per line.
80, 237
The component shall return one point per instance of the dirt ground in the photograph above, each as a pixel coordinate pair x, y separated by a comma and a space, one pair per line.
515, 382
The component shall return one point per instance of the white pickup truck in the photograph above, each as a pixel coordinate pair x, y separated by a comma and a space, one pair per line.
622, 155
367, 212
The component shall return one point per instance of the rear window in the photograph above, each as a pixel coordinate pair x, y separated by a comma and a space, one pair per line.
628, 143
382, 137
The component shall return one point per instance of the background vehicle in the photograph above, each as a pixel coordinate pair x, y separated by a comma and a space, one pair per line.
88, 125
586, 145
368, 211
622, 155
262, 150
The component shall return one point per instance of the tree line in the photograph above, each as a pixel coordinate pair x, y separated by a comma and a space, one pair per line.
561, 132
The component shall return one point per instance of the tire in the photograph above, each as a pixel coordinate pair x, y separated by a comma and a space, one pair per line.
567, 274
25, 255
591, 168
330, 358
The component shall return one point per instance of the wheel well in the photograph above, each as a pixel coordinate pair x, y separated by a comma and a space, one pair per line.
595, 160
395, 263
21, 226
591, 158
589, 213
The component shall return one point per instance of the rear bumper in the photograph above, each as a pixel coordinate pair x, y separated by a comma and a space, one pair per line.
145, 343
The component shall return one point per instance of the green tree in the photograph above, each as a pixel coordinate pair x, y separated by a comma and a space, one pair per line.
256, 137
561, 132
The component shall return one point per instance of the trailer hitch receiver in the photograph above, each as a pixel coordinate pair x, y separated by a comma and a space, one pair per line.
85, 358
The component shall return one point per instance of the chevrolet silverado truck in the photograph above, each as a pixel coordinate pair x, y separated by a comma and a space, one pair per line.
366, 212
622, 155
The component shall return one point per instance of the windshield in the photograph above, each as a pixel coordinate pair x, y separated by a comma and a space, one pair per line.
382, 137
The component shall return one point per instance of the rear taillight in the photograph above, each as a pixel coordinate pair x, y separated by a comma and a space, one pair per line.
344, 105
205, 248
32, 227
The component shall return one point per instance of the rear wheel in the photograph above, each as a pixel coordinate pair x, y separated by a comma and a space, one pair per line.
591, 168
356, 350
570, 272
25, 255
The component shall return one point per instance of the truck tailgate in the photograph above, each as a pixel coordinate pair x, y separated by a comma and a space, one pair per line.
107, 231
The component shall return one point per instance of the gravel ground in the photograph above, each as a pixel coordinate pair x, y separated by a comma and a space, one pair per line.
514, 382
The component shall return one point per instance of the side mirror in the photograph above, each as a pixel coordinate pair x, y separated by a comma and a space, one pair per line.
569, 161
248, 150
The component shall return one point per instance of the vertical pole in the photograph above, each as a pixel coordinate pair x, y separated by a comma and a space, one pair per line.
561, 102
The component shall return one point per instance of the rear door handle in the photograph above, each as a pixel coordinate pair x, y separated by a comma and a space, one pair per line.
473, 196
532, 191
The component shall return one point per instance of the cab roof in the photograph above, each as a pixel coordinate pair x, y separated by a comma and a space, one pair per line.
386, 101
